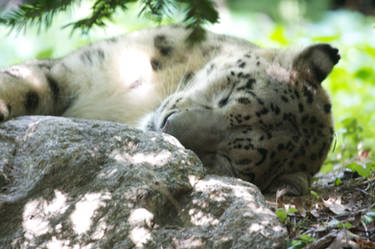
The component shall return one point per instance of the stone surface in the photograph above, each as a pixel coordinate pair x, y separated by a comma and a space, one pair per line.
70, 183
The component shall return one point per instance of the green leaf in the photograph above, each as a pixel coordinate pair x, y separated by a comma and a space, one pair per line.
371, 166
351, 125
45, 54
362, 170
297, 244
292, 210
281, 214
327, 167
368, 50
365, 73
315, 194
348, 225
306, 238
326, 38
337, 181
369, 217
335, 223
278, 35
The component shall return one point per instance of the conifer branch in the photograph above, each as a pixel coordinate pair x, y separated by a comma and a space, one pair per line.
42, 13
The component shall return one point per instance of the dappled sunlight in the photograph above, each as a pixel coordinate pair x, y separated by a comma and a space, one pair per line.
221, 199
153, 158
140, 236
262, 226
172, 140
31, 129
109, 173
209, 185
255, 227
37, 213
278, 73
137, 68
22, 72
140, 216
200, 218
193, 180
189, 243
85, 209
100, 228
141, 221
37, 216
56, 243
217, 204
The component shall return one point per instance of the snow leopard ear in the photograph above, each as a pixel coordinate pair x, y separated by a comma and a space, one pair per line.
315, 62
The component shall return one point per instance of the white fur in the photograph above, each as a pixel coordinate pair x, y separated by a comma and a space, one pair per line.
111, 90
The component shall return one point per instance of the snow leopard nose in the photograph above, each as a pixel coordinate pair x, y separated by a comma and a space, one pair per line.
199, 130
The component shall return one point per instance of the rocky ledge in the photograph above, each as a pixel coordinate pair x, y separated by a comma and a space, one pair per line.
71, 183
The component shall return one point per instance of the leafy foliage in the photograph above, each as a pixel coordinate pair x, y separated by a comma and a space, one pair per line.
281, 214
197, 13
100, 11
35, 11
369, 217
301, 242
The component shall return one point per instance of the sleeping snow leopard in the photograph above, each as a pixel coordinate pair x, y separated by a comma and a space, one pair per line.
248, 112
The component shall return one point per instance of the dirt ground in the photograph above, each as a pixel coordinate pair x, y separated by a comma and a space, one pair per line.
337, 213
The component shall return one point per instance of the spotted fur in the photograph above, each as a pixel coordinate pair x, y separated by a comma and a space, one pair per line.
258, 114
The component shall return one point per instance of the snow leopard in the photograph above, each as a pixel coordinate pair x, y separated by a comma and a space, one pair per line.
255, 113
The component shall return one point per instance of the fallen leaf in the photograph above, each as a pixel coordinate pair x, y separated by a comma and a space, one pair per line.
323, 242
314, 213
364, 154
334, 204
365, 243
344, 240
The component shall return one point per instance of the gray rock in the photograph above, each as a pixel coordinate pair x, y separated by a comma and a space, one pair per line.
70, 183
